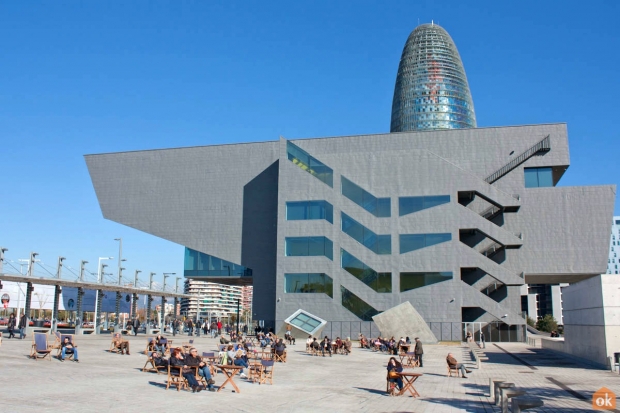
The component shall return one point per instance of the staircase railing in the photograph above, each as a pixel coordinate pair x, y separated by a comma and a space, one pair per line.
542, 146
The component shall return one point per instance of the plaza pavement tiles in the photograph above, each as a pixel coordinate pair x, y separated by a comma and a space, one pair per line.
106, 382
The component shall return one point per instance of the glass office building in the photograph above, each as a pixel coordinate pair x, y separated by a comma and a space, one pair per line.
431, 89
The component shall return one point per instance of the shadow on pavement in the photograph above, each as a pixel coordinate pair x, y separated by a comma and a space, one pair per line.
374, 391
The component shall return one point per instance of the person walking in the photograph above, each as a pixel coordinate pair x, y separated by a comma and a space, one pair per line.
11, 325
219, 327
482, 340
419, 351
135, 325
22, 326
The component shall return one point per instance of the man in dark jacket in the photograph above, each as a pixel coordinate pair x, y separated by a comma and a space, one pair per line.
136, 325
22, 326
419, 351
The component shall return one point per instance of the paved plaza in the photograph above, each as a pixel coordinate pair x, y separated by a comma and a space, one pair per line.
113, 383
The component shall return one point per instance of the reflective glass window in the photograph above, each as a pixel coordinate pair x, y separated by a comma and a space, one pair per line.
381, 282
199, 264
379, 207
309, 283
538, 177
412, 242
356, 305
308, 246
306, 210
379, 244
310, 164
412, 280
411, 204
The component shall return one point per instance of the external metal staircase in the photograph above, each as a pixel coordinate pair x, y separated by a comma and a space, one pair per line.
542, 146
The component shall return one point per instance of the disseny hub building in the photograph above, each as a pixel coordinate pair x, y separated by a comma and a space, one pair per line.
450, 217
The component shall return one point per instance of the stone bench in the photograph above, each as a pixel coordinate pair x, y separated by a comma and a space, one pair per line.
492, 387
498, 389
523, 403
507, 393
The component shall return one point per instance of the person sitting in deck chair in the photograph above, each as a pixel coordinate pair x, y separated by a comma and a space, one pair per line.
326, 345
68, 348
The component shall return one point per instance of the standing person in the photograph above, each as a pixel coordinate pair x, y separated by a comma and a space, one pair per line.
22, 326
174, 327
136, 325
219, 327
198, 328
419, 351
482, 340
11, 325
190, 327
213, 329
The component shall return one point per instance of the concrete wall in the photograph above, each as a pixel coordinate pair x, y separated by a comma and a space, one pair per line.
592, 318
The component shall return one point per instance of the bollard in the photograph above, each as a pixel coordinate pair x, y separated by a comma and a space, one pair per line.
507, 394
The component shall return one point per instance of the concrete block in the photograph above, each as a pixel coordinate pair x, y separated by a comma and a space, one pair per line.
404, 321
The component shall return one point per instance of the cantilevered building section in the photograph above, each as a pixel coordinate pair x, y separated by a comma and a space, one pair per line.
453, 221
431, 89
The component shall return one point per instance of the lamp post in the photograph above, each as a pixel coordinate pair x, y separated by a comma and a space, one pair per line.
134, 304
176, 299
57, 291
80, 295
99, 292
120, 278
29, 288
149, 303
2, 251
163, 300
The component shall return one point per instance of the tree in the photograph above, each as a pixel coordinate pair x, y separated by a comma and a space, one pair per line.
547, 324
531, 322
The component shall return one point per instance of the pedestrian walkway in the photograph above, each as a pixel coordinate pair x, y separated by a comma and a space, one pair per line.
355, 383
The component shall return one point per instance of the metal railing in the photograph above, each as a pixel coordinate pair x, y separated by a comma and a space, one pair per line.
542, 146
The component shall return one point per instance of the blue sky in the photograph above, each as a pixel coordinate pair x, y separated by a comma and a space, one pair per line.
89, 77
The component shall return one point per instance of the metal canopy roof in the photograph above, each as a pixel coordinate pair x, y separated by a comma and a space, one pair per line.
89, 285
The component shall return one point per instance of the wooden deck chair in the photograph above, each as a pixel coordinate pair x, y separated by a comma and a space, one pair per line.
166, 343
281, 358
56, 344
453, 370
175, 378
154, 367
187, 345
210, 359
62, 339
114, 347
150, 345
267, 371
40, 348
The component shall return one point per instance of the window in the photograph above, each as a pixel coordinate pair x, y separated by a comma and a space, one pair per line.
306, 210
413, 280
618, 222
310, 164
381, 282
538, 177
379, 207
200, 264
309, 283
305, 321
356, 305
309, 247
411, 204
379, 244
412, 242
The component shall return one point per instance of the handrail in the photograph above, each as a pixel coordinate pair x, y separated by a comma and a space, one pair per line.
543, 146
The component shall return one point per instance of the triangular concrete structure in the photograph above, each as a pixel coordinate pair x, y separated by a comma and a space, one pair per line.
404, 321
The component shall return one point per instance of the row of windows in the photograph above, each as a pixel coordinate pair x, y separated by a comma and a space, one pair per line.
379, 207
310, 164
410, 204
412, 242
379, 244
381, 282
200, 264
303, 210
538, 177
309, 283
309, 247
356, 305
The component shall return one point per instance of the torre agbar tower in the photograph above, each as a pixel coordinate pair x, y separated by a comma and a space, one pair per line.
449, 217
431, 86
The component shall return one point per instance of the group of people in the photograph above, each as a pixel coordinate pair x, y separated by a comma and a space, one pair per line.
188, 364
21, 326
328, 346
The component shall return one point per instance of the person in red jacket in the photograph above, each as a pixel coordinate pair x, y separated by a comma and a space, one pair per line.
219, 327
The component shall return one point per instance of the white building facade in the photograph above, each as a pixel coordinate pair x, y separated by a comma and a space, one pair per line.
211, 300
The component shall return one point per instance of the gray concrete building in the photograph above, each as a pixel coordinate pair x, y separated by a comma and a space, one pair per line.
453, 221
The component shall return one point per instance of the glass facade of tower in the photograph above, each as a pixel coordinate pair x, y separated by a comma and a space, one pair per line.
431, 89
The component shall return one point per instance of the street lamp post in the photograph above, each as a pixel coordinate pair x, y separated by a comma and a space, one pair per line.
134, 304
57, 291
149, 303
2, 251
163, 301
99, 292
117, 327
80, 295
29, 288
176, 299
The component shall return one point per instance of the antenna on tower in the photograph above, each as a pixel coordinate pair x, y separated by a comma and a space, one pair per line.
432, 22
